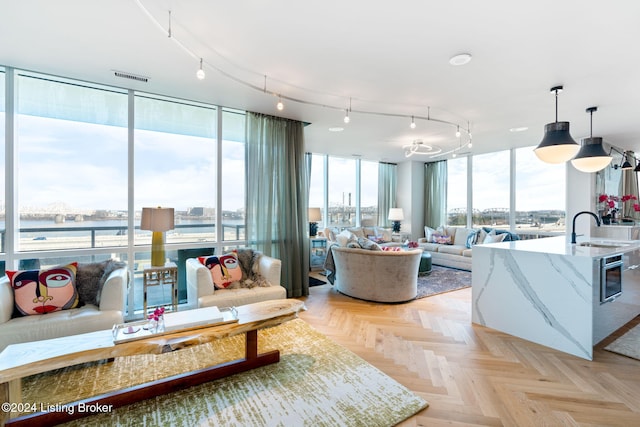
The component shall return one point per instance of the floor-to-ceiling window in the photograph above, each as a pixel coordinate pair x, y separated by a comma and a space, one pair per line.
2, 156
71, 168
457, 192
83, 170
175, 165
540, 194
316, 185
233, 175
491, 189
342, 192
368, 192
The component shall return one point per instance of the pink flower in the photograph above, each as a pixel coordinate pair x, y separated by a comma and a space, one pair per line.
636, 207
602, 198
611, 204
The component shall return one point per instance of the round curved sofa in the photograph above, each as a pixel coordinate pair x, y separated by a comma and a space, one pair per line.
379, 276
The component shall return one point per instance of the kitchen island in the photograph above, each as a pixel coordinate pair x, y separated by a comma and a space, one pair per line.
548, 291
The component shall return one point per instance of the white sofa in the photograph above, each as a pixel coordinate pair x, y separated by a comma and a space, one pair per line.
456, 255
201, 292
88, 318
380, 276
384, 235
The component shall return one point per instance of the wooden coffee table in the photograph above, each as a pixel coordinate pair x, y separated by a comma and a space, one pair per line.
21, 360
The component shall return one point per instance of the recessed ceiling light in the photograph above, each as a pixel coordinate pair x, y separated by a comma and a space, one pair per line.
336, 129
460, 59
520, 129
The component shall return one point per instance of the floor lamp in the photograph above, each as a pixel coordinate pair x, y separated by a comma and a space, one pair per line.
158, 220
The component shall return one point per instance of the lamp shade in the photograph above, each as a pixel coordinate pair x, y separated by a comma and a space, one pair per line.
557, 145
396, 214
591, 157
157, 219
315, 215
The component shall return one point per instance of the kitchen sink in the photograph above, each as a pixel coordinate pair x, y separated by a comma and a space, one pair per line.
604, 244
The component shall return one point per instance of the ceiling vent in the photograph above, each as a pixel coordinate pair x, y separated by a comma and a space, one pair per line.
130, 76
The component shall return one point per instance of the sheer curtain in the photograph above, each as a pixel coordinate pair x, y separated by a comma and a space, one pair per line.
387, 183
277, 196
435, 193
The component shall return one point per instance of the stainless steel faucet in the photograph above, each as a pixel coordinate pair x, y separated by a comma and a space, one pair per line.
573, 228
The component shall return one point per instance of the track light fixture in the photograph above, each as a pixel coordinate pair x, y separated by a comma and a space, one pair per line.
591, 157
458, 132
280, 105
346, 116
413, 123
557, 146
200, 74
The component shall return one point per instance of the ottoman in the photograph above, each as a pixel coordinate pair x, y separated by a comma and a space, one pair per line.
425, 263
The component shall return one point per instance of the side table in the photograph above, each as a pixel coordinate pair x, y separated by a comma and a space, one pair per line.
160, 276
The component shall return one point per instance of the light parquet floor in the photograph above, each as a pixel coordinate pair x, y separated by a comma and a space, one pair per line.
472, 375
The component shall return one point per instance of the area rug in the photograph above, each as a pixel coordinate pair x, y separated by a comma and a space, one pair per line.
316, 383
628, 344
442, 279
316, 282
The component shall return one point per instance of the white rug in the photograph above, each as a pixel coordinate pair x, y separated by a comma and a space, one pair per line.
316, 383
628, 344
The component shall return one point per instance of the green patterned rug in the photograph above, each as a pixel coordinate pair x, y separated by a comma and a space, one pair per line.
316, 383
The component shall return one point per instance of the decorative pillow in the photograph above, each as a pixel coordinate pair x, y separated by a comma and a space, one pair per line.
45, 291
428, 233
391, 248
331, 233
443, 240
90, 278
224, 269
353, 244
368, 244
492, 237
345, 237
385, 233
471, 239
357, 231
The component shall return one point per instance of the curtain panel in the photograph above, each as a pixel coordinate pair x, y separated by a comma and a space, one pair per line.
387, 186
435, 194
277, 196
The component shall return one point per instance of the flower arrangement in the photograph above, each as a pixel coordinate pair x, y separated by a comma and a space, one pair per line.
157, 314
156, 320
412, 245
611, 204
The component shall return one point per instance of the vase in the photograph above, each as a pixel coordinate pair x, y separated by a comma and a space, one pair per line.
155, 326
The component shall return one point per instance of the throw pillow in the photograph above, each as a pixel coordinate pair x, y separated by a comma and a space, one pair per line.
354, 245
44, 291
494, 238
391, 249
471, 239
428, 233
368, 244
90, 278
224, 269
443, 240
385, 233
345, 237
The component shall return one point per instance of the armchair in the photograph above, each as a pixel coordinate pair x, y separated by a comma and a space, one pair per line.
201, 292
88, 318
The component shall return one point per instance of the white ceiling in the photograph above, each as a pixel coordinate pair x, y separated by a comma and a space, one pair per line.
388, 57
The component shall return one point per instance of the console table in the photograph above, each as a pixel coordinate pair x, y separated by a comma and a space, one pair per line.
25, 359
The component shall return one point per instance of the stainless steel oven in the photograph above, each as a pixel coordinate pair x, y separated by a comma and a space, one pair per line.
611, 278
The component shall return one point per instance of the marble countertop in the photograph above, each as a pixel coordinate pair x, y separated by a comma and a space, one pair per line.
560, 245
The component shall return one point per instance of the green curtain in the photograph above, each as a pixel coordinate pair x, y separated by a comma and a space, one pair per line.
435, 194
387, 184
278, 196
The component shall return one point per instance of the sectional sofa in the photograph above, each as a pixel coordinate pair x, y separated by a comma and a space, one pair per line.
453, 246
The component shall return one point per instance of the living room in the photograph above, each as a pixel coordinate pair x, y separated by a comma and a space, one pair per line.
87, 149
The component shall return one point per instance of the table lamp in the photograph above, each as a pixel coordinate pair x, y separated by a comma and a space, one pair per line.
396, 215
315, 215
158, 220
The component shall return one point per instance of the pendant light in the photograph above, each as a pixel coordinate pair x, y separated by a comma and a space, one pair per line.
557, 146
591, 157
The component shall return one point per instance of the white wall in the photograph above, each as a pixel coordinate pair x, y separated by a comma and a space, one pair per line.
581, 190
410, 197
